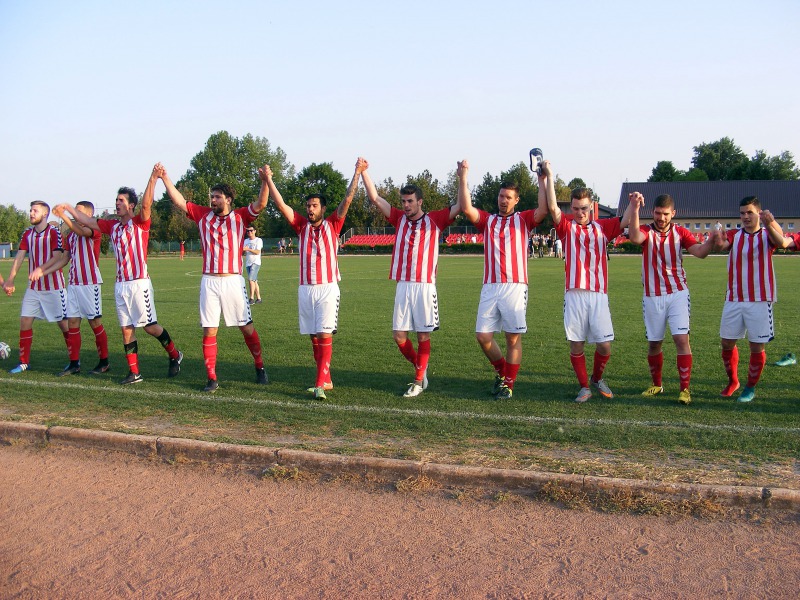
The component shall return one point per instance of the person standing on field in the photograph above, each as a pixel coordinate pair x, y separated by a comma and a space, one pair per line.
222, 291
504, 296
84, 297
133, 291
46, 297
666, 294
318, 294
414, 263
252, 262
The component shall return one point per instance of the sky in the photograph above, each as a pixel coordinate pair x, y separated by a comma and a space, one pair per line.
96, 92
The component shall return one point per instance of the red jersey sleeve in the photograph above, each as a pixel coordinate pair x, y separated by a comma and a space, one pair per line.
687, 237
394, 216
106, 225
730, 233
529, 216
441, 218
611, 227
247, 215
196, 212
796, 239
335, 222
144, 225
563, 226
483, 220
298, 222
23, 243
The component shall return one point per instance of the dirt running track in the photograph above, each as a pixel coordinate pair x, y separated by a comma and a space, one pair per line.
78, 523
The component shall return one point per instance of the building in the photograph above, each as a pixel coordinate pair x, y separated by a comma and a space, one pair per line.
700, 205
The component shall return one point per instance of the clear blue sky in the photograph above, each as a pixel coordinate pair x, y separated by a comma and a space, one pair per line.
96, 92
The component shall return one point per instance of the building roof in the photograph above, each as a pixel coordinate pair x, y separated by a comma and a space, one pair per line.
717, 199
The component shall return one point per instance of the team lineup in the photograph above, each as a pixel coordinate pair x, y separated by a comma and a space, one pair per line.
228, 243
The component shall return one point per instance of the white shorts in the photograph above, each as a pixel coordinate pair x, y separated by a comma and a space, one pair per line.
84, 301
670, 308
502, 308
747, 319
587, 317
416, 307
318, 308
50, 305
135, 303
226, 295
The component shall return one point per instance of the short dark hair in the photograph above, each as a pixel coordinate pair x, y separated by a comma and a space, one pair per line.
751, 200
131, 193
410, 188
320, 197
41, 203
580, 194
664, 201
86, 204
510, 185
225, 189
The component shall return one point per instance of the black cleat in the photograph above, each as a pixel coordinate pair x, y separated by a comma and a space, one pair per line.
132, 378
102, 367
73, 368
212, 386
175, 365
261, 376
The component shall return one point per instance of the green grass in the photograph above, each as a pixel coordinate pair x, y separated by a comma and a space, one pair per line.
455, 419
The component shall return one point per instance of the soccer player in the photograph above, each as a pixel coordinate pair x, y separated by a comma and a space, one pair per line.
318, 293
252, 250
222, 290
84, 298
504, 296
751, 292
587, 317
413, 267
666, 294
133, 291
46, 297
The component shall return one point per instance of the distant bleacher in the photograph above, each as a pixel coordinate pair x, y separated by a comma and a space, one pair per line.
371, 240
463, 238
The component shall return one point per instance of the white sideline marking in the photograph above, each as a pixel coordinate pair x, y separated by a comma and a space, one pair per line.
138, 391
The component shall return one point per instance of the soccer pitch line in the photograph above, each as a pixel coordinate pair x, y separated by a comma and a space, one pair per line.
382, 410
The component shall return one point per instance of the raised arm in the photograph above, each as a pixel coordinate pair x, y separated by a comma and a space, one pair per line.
344, 205
265, 173
464, 198
552, 206
260, 203
635, 203
774, 230
77, 228
62, 210
547, 188
149, 194
372, 193
174, 195
704, 249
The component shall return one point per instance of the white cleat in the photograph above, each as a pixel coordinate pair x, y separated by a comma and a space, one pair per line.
583, 395
414, 389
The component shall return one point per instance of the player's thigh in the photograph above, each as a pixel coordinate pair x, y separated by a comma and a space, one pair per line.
32, 305
600, 326
84, 301
54, 305
678, 312
210, 301
489, 319
513, 303
758, 321
576, 316
326, 310
235, 307
402, 319
732, 326
424, 308
135, 303
654, 313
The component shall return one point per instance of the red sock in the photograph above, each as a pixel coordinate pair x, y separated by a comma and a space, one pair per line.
315, 348
685, 370
499, 366
579, 366
407, 350
656, 362
324, 362
599, 365
510, 374
132, 356
730, 359
757, 362
254, 344
25, 342
101, 341
423, 356
210, 355
73, 339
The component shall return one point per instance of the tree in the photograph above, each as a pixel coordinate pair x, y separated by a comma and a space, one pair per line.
663, 171
433, 196
320, 179
722, 160
781, 167
693, 174
12, 223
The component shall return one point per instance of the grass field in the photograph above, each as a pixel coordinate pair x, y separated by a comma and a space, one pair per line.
455, 420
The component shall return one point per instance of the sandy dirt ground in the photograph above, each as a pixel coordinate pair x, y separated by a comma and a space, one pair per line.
76, 523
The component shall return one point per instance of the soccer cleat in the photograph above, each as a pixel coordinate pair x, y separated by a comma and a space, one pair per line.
70, 369
19, 368
414, 389
212, 386
175, 365
498, 381
787, 361
319, 393
132, 378
102, 367
327, 386
603, 388
252, 301
425, 380
258, 301
685, 397
747, 395
505, 392
583, 395
728, 390
261, 376
653, 390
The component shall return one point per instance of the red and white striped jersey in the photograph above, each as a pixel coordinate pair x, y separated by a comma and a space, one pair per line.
750, 274
318, 248
505, 246
222, 238
84, 254
130, 246
796, 238
662, 259
40, 248
416, 245
585, 258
